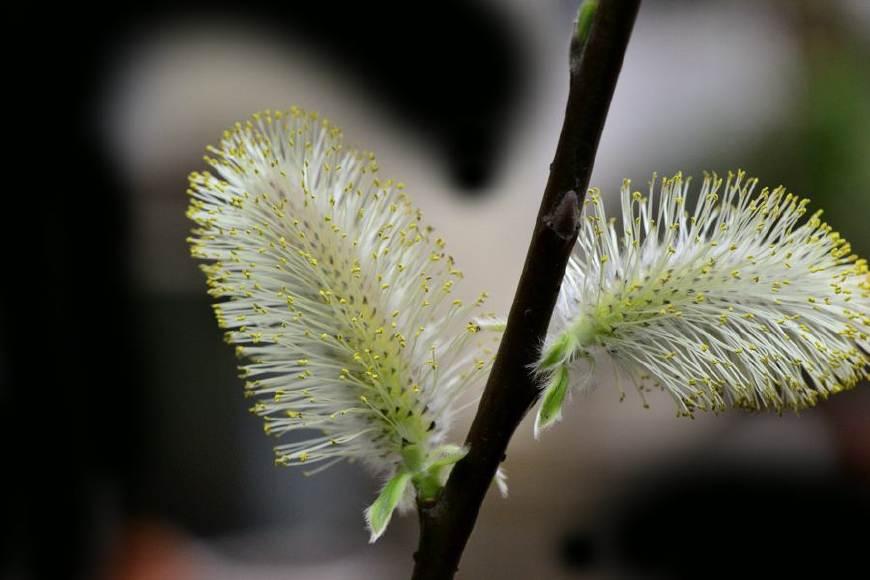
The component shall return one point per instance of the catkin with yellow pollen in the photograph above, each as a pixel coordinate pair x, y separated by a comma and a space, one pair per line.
738, 303
339, 301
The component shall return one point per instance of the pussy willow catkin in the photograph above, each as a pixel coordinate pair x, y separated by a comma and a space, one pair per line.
740, 302
339, 301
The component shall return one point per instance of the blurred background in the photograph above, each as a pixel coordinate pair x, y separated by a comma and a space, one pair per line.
133, 457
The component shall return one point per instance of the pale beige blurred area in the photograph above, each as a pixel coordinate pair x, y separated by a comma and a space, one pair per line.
698, 78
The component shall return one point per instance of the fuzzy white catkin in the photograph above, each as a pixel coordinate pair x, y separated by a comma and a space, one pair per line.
338, 299
737, 303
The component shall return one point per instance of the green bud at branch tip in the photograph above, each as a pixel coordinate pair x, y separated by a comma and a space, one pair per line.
585, 15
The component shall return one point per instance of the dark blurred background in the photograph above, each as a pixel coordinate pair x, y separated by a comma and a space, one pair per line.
131, 455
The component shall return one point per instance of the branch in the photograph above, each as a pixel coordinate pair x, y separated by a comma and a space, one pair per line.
447, 521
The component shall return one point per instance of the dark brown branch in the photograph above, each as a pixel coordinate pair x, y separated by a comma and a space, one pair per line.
447, 522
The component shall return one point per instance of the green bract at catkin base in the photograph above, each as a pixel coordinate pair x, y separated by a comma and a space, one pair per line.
340, 302
739, 303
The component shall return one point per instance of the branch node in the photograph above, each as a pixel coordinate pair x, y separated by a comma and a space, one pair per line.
565, 219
